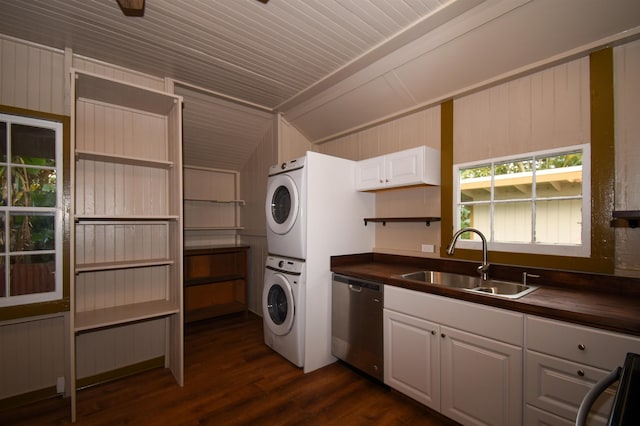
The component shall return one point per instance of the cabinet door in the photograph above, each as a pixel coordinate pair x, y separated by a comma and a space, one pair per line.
412, 357
404, 167
370, 174
481, 379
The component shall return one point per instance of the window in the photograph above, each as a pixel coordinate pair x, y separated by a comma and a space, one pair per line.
30, 210
533, 203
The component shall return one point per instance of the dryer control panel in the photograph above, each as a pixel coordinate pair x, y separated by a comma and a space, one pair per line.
284, 264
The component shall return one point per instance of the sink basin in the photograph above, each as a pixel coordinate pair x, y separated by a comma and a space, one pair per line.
444, 279
504, 289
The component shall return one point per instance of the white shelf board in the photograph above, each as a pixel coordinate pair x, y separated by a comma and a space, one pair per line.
213, 228
107, 266
202, 200
122, 159
104, 89
123, 218
123, 314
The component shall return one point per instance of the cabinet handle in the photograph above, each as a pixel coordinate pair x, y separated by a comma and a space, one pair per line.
581, 347
433, 332
381, 181
581, 373
443, 335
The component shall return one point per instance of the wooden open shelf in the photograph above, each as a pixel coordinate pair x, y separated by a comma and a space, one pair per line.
384, 220
109, 266
626, 218
117, 315
122, 159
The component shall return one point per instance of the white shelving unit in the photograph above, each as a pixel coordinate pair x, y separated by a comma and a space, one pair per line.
211, 204
126, 237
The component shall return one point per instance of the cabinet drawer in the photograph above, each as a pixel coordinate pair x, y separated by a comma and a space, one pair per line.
558, 386
535, 417
494, 323
585, 345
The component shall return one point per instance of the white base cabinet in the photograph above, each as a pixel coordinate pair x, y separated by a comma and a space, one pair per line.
412, 357
415, 166
481, 379
562, 362
461, 359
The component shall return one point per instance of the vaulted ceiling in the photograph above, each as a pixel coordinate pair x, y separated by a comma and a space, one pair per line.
328, 66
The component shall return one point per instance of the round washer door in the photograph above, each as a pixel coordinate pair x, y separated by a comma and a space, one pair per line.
282, 204
278, 304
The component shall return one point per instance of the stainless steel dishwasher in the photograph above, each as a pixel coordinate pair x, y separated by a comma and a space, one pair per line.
356, 323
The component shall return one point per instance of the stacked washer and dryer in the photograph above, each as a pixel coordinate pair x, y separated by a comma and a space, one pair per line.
313, 212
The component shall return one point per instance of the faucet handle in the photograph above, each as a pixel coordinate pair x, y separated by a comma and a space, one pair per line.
525, 275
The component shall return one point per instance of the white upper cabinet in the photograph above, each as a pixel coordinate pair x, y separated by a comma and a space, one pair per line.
415, 166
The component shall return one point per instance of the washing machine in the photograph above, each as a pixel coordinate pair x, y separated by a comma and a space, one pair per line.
286, 209
283, 302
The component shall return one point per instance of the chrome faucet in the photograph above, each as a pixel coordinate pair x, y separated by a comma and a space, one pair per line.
483, 269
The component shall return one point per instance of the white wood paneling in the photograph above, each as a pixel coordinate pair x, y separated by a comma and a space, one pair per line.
293, 144
627, 105
106, 350
410, 131
32, 355
31, 76
253, 189
118, 73
549, 109
253, 183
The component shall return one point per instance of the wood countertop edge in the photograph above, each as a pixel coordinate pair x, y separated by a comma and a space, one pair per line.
612, 312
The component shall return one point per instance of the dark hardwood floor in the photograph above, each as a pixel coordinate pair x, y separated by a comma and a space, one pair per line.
233, 378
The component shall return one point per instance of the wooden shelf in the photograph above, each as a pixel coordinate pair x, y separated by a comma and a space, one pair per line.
213, 228
384, 220
123, 159
108, 266
626, 218
107, 317
213, 280
132, 218
107, 90
241, 202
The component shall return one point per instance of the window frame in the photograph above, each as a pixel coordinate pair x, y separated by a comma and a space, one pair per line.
57, 212
569, 250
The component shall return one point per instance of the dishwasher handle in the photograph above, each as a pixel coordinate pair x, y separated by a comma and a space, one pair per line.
594, 393
356, 284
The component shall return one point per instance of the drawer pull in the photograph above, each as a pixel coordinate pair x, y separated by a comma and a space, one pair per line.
433, 332
443, 335
581, 373
581, 347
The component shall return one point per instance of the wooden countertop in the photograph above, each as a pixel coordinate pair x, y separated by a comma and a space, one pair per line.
617, 309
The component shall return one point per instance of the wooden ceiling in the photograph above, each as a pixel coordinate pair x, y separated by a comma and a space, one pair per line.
327, 65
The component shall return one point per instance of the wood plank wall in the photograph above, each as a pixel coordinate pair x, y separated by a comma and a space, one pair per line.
627, 195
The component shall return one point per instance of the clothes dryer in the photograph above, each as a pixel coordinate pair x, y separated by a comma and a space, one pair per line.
286, 209
283, 307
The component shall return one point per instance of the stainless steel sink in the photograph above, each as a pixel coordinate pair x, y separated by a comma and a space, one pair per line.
444, 279
504, 289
